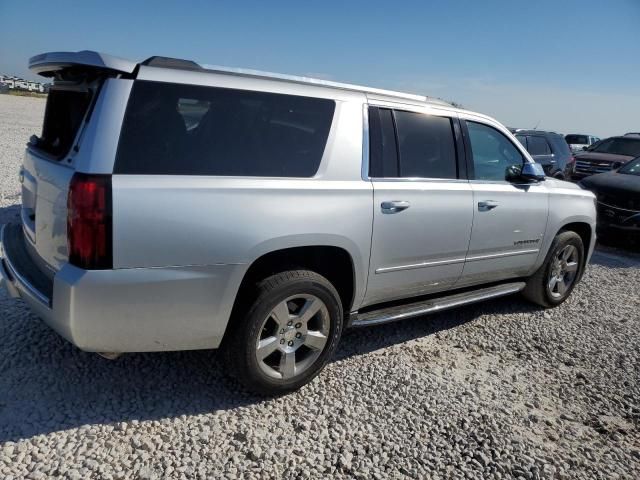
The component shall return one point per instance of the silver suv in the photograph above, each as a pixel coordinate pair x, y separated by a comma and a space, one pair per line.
172, 206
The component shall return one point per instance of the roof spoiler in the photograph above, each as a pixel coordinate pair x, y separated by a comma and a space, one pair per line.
47, 64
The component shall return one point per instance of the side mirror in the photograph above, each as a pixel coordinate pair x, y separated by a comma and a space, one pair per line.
529, 172
532, 172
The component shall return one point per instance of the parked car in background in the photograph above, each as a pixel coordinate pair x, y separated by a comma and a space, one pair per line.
606, 155
578, 142
632, 134
618, 194
169, 206
548, 149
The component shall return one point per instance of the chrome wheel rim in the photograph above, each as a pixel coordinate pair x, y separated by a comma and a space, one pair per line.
563, 271
293, 336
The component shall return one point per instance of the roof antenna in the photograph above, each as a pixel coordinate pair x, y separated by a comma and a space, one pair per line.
536, 127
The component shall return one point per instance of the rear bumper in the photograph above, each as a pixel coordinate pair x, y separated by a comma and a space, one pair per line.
18, 274
129, 310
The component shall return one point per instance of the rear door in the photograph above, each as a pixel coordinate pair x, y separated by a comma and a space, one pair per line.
50, 158
423, 206
509, 218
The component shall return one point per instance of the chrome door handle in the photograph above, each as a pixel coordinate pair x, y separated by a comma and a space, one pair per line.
487, 205
394, 206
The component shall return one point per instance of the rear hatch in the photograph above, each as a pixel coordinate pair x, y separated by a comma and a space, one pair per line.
49, 161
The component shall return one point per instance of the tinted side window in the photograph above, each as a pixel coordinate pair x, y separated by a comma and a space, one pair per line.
382, 144
426, 146
538, 145
492, 152
194, 130
559, 146
522, 139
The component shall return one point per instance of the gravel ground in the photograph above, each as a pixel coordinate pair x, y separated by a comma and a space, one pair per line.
20, 117
496, 390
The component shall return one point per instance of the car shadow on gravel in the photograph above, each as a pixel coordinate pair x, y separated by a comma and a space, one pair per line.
615, 257
359, 341
48, 385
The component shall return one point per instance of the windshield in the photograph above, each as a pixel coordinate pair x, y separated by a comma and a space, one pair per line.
631, 168
620, 146
577, 139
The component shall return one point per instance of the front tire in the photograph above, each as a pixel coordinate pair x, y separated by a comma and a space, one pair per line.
287, 335
554, 281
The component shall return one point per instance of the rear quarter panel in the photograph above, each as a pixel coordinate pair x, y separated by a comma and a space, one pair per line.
172, 220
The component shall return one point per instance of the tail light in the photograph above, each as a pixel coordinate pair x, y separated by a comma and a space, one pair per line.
89, 222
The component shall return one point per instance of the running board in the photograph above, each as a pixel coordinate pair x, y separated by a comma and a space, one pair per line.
400, 312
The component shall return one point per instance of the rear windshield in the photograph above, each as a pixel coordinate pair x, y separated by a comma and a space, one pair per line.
194, 130
577, 139
620, 146
63, 116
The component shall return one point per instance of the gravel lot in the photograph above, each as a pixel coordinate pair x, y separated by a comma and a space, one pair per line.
497, 390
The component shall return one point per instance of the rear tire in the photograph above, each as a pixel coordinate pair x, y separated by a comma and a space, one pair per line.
287, 335
554, 281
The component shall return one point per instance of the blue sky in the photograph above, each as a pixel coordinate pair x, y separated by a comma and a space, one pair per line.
572, 65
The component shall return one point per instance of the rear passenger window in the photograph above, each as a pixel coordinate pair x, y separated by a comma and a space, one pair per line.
382, 141
426, 145
538, 146
174, 129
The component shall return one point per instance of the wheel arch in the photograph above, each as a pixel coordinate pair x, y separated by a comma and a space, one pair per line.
581, 228
335, 263
585, 231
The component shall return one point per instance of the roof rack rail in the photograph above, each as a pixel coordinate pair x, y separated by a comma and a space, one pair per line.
179, 64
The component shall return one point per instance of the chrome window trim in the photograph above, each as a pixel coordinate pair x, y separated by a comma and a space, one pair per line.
365, 143
417, 180
502, 182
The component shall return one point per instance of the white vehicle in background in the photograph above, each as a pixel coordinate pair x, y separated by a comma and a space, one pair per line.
578, 142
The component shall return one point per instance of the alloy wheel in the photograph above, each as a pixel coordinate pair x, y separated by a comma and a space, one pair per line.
563, 271
293, 336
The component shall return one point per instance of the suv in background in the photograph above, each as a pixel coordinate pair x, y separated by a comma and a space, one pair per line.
618, 194
169, 206
549, 149
606, 155
578, 142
